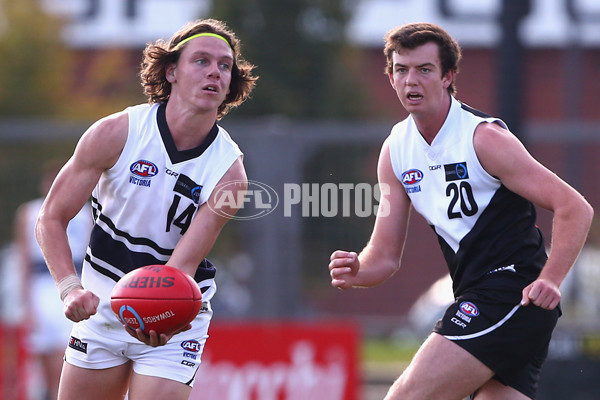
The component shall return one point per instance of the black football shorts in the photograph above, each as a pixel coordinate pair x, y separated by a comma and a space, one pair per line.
509, 339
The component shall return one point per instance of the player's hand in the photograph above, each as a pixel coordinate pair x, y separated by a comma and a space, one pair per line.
343, 267
153, 339
543, 293
80, 304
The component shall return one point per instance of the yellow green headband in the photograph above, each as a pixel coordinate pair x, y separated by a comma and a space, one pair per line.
178, 46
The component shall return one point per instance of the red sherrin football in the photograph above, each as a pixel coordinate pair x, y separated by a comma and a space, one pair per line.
156, 297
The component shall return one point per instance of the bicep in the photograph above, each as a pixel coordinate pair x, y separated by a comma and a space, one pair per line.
97, 150
503, 156
235, 182
215, 213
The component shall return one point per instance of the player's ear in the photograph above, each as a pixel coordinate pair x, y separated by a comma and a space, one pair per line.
448, 78
170, 72
391, 78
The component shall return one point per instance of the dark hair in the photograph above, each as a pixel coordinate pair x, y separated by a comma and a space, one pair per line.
158, 55
413, 35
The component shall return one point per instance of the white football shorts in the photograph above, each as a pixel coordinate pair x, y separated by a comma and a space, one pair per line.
48, 327
178, 360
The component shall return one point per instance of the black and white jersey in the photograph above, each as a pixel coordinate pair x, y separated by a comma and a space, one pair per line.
147, 200
487, 233
78, 234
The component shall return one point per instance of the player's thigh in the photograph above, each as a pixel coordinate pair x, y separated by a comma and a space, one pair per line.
440, 370
143, 387
94, 384
494, 390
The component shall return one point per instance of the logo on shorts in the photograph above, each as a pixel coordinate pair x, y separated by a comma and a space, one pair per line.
469, 308
78, 345
188, 363
193, 346
203, 308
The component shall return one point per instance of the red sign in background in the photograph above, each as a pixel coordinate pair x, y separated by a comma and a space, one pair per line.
279, 361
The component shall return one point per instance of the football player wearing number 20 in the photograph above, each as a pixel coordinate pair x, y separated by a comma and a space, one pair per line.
476, 185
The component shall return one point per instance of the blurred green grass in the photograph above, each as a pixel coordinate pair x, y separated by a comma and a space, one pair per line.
378, 350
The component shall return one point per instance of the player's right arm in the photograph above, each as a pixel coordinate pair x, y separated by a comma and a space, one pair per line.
380, 259
98, 149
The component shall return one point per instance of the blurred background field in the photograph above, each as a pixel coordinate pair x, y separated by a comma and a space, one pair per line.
320, 113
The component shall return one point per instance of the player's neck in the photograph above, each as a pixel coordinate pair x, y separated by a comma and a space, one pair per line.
429, 123
189, 127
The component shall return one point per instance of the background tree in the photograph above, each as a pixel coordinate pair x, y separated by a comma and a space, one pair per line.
33, 73
307, 69
40, 76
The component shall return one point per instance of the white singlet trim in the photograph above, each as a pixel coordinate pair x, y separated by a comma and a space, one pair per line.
488, 330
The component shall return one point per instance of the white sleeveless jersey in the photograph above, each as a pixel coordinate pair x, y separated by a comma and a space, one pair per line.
147, 200
78, 233
482, 227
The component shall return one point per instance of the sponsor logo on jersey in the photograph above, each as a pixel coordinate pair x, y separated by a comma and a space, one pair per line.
192, 346
456, 171
171, 172
412, 177
144, 169
139, 182
187, 187
469, 309
78, 345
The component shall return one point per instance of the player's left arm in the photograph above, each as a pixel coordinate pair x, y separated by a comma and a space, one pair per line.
503, 156
202, 233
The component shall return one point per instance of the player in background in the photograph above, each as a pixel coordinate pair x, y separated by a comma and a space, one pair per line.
151, 171
476, 185
47, 327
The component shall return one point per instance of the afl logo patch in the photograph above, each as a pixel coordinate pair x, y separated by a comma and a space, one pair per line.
144, 169
191, 346
469, 308
412, 177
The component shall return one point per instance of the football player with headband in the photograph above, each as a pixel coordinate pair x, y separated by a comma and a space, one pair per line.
151, 171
